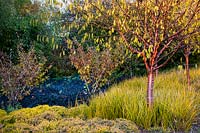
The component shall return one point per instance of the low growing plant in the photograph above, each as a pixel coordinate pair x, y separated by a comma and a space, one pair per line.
44, 118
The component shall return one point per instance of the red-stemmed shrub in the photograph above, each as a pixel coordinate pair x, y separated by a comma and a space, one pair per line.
17, 80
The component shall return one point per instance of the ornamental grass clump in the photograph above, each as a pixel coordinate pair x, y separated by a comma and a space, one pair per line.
175, 107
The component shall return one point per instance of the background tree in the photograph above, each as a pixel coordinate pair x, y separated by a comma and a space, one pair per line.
16, 26
150, 29
54, 15
35, 24
14, 23
191, 43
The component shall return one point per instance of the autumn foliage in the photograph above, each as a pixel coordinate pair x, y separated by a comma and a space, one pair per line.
18, 80
94, 66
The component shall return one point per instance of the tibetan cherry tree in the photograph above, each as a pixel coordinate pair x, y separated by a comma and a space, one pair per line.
191, 44
152, 29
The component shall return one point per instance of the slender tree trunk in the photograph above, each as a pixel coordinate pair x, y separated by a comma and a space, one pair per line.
187, 69
150, 85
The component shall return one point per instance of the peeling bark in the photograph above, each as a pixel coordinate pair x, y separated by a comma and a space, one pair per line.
150, 85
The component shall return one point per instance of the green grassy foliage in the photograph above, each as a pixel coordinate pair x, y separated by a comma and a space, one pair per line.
195, 79
175, 107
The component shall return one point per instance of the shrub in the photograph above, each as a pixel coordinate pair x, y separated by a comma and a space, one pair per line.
18, 80
175, 107
94, 66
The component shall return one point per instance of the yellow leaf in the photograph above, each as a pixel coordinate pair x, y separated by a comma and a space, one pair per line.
52, 40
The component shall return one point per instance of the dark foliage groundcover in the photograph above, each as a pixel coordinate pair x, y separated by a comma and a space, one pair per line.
64, 91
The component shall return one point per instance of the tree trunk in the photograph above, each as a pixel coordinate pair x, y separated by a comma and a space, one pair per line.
150, 85
187, 69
